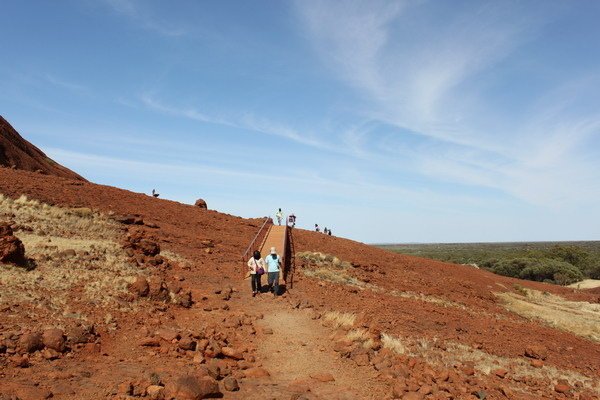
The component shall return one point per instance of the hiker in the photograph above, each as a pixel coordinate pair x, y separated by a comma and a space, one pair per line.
273, 262
325, 230
329, 232
292, 220
256, 267
317, 228
154, 194
279, 215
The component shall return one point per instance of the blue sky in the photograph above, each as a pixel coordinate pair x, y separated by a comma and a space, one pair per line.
407, 121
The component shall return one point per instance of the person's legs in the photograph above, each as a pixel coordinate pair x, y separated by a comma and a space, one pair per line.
253, 282
271, 279
276, 282
258, 285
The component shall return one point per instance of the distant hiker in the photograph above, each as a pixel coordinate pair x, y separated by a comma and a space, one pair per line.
329, 232
279, 215
325, 230
292, 220
317, 228
273, 262
154, 193
256, 267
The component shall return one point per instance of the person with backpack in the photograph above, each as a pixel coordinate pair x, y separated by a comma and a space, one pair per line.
273, 262
256, 267
292, 220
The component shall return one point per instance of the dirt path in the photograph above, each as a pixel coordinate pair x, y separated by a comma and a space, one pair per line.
299, 355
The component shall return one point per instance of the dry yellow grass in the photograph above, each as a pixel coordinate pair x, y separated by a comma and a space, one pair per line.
393, 343
358, 335
338, 319
78, 259
586, 284
330, 268
453, 353
362, 336
172, 256
334, 276
580, 318
426, 298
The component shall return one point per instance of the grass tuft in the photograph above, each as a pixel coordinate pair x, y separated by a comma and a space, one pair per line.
339, 320
392, 343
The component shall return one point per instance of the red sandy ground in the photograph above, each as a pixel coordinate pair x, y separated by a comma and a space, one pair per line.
181, 227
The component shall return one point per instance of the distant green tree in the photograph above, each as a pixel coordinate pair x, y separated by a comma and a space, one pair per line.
593, 270
539, 269
559, 272
572, 254
512, 267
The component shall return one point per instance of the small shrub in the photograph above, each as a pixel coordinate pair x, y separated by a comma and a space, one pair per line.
520, 289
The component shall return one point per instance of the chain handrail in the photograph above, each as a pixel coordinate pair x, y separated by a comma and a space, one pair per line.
245, 255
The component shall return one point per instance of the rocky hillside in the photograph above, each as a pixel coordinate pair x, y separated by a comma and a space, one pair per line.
16, 152
112, 294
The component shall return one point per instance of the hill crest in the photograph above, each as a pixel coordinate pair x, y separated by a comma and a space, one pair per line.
18, 153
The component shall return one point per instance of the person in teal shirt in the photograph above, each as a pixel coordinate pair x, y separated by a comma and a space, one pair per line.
273, 262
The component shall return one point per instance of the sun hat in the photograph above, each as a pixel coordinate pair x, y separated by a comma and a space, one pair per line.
273, 250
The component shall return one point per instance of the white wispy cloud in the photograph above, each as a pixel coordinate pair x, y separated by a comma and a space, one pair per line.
286, 179
67, 85
139, 14
245, 121
432, 82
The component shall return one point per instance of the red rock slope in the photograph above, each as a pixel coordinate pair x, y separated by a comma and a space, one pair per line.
16, 152
453, 335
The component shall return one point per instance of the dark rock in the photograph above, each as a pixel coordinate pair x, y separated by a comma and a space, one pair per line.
54, 339
193, 388
231, 384
538, 352
140, 287
31, 342
201, 203
187, 343
12, 249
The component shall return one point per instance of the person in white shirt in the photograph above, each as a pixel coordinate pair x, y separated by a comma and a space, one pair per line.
273, 262
256, 267
279, 216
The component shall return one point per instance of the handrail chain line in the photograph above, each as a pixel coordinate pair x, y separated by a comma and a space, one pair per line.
245, 255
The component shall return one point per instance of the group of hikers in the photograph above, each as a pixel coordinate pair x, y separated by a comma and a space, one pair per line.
291, 221
270, 265
326, 231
